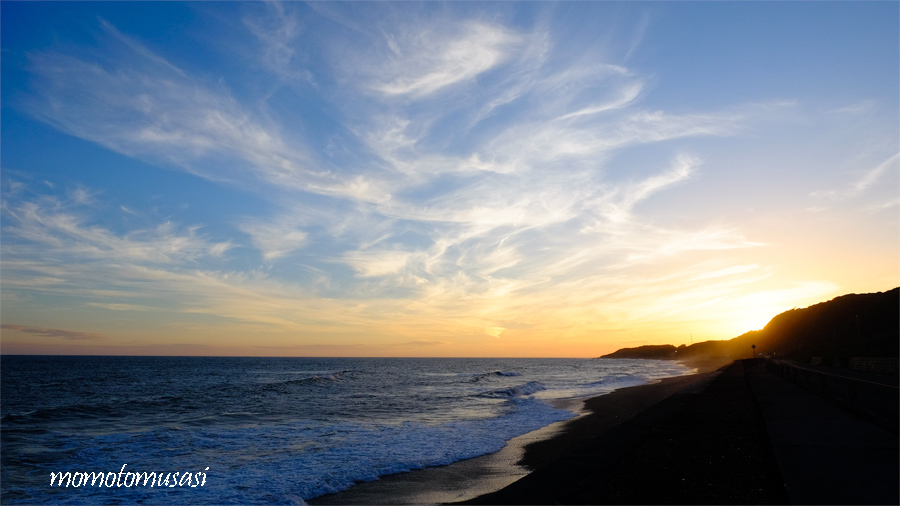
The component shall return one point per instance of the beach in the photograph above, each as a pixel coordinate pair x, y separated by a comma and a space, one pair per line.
285, 430
471, 478
438, 431
700, 445
732, 433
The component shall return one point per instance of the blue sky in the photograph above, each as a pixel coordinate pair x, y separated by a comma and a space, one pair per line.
457, 179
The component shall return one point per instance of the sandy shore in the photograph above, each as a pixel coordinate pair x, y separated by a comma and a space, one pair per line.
606, 411
705, 444
732, 433
469, 479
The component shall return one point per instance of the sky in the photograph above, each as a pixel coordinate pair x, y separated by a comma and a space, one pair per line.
439, 179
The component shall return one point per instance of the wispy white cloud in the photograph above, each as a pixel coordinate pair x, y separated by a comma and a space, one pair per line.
885, 205
485, 190
494, 331
81, 195
275, 239
423, 61
113, 306
378, 263
277, 32
867, 181
681, 170
638, 36
627, 95
145, 109
855, 108
138, 48
871, 177
53, 224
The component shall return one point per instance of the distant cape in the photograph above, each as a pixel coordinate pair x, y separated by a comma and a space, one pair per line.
655, 351
853, 325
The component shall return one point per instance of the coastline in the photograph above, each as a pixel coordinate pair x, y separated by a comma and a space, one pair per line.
706, 444
460, 481
604, 412
467, 479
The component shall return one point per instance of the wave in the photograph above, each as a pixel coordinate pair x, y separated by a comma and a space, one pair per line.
494, 374
103, 410
312, 380
62, 413
324, 379
364, 454
293, 428
516, 391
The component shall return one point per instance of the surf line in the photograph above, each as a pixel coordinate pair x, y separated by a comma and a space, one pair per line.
112, 479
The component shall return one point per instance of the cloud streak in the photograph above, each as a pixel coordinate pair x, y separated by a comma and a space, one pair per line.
69, 335
49, 223
422, 63
868, 184
430, 173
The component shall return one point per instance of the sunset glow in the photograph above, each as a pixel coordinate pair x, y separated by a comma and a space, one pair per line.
439, 179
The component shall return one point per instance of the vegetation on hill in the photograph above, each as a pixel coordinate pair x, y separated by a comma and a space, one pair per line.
854, 325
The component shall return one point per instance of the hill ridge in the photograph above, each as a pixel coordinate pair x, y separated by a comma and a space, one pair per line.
851, 325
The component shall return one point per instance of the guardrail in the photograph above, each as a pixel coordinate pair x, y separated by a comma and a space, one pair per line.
877, 402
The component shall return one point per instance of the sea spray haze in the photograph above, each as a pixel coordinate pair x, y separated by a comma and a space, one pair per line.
272, 430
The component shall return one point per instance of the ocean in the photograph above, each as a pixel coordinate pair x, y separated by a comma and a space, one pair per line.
268, 430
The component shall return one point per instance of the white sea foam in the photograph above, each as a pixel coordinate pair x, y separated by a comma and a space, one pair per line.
515, 391
275, 430
364, 454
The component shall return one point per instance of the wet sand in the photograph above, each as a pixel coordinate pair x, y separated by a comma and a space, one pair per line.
706, 444
739, 434
472, 478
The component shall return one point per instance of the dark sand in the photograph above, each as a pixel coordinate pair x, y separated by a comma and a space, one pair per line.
469, 479
739, 434
606, 411
706, 444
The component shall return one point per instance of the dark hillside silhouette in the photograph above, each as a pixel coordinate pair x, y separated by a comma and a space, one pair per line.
854, 325
654, 351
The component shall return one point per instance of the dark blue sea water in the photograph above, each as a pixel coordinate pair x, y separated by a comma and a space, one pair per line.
270, 430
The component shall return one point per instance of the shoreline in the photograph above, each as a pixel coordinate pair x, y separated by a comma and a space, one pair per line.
603, 412
462, 480
471, 478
